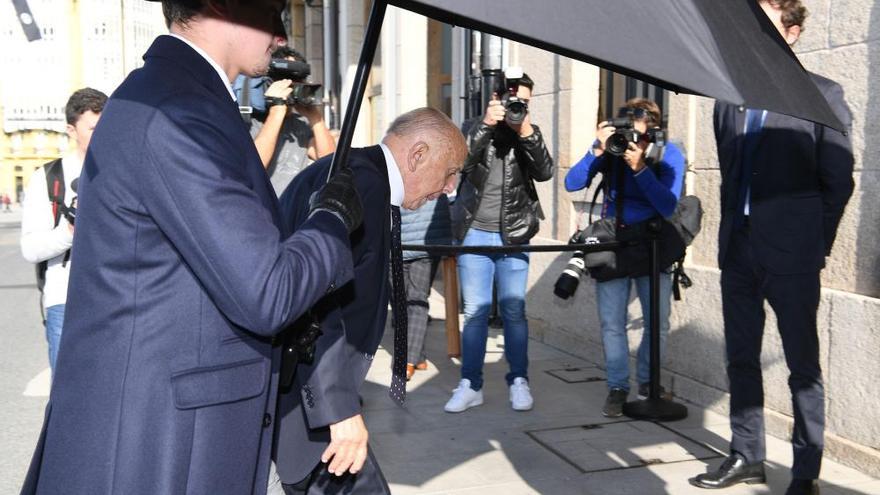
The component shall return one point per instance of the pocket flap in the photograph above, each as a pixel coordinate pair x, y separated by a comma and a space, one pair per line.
208, 386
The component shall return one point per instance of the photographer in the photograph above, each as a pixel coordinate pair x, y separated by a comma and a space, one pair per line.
289, 136
651, 188
49, 211
497, 205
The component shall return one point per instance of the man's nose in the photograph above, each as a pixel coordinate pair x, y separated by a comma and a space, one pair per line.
450, 184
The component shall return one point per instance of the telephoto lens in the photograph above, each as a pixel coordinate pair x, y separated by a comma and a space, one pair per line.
568, 280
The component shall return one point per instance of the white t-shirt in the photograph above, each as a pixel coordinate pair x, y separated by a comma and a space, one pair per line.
40, 239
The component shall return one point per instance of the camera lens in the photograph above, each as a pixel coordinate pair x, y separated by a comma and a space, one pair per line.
568, 280
516, 112
617, 144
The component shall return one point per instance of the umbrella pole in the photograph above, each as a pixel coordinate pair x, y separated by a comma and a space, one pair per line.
359, 87
655, 408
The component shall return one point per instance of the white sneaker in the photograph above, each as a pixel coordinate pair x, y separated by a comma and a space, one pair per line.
520, 396
464, 398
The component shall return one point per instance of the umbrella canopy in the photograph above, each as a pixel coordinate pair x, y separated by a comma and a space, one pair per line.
723, 49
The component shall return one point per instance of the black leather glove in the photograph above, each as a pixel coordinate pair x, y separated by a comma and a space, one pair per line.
339, 196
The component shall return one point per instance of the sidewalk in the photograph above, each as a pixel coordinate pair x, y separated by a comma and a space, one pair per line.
563, 446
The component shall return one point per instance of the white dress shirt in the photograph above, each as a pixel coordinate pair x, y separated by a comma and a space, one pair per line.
395, 180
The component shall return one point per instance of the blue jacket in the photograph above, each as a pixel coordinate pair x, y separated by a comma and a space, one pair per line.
645, 194
166, 377
428, 225
352, 318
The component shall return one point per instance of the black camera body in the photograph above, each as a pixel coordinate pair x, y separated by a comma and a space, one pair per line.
505, 85
625, 133
304, 93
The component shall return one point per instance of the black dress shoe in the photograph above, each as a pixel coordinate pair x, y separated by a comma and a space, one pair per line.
733, 470
802, 487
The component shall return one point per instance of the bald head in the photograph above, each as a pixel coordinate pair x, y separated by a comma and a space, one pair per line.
429, 150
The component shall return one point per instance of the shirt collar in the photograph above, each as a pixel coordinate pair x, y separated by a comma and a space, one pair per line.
210, 61
395, 180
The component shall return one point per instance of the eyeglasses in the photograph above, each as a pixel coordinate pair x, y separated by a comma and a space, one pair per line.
634, 113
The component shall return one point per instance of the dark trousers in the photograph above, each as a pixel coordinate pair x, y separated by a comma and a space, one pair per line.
795, 300
368, 481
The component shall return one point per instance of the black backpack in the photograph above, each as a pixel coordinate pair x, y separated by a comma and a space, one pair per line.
55, 187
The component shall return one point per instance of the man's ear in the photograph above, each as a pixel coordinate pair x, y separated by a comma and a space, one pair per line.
418, 154
71, 131
792, 34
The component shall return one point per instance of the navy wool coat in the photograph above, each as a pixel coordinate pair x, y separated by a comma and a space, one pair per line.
352, 319
181, 274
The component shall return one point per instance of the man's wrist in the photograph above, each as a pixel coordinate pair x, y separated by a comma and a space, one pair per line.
274, 101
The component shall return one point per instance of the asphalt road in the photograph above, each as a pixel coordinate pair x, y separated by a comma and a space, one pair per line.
24, 364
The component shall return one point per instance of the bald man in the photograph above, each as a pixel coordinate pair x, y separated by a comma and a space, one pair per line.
321, 440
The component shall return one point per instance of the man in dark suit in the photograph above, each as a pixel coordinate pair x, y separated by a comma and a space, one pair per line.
785, 183
183, 273
320, 431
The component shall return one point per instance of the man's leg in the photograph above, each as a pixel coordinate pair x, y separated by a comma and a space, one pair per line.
795, 300
417, 274
476, 273
54, 324
512, 274
743, 310
643, 286
612, 297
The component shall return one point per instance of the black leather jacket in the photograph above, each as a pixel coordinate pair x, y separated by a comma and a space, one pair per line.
525, 160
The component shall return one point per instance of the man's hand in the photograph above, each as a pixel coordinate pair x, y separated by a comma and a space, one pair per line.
634, 157
339, 196
279, 89
603, 132
494, 111
348, 446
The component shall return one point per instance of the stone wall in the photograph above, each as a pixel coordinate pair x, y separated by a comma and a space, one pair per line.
842, 41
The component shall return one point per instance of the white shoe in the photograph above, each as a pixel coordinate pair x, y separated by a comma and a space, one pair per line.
464, 398
520, 396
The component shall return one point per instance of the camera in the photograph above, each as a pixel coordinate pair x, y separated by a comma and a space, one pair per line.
505, 84
625, 132
303, 93
568, 280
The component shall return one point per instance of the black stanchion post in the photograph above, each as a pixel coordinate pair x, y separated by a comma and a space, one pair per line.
655, 408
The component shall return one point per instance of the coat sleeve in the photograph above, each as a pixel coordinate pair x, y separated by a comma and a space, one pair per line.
835, 162
331, 385
537, 160
199, 196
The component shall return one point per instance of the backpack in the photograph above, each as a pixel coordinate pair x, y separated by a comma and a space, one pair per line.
55, 187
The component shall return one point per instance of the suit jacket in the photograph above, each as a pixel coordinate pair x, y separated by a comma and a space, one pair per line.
352, 319
801, 182
166, 376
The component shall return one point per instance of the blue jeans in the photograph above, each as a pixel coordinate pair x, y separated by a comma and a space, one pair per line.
54, 322
612, 298
476, 275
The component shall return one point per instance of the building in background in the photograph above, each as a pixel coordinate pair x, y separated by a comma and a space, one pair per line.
423, 62
93, 43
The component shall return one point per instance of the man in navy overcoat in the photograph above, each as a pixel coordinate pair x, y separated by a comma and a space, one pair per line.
319, 418
182, 275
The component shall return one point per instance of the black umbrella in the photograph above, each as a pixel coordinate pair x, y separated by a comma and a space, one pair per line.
723, 49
